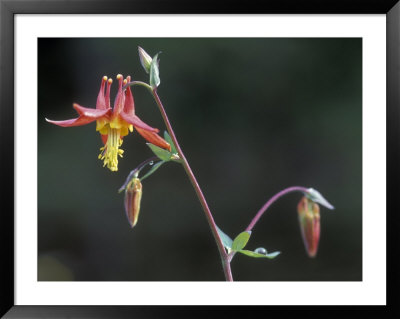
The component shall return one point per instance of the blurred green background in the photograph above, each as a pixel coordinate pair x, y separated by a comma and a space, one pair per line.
253, 116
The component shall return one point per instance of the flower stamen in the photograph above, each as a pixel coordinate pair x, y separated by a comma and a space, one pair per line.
110, 152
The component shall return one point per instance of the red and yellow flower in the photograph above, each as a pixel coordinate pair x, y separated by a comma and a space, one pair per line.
114, 124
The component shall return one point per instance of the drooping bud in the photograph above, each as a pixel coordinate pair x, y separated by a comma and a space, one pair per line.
145, 59
133, 196
309, 219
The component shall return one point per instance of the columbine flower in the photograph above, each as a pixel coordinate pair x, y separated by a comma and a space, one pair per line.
114, 124
309, 219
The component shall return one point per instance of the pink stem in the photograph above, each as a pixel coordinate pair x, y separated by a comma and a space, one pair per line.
266, 206
272, 200
209, 216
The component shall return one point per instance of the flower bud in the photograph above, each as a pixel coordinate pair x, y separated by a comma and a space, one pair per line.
145, 59
309, 219
133, 195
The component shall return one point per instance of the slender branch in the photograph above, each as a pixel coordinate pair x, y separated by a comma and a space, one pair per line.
263, 209
225, 258
189, 172
136, 170
272, 200
132, 83
226, 263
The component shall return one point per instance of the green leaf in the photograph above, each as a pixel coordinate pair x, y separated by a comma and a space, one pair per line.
169, 140
152, 170
161, 153
257, 255
241, 240
226, 240
154, 72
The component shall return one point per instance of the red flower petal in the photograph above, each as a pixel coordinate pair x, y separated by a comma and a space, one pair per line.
89, 112
101, 102
137, 122
107, 97
120, 98
82, 120
129, 107
154, 138
104, 138
86, 116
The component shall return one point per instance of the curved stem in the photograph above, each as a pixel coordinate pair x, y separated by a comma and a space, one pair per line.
199, 193
132, 83
225, 258
271, 201
262, 210
137, 169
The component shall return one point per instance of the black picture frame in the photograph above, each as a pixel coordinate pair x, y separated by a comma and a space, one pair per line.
8, 10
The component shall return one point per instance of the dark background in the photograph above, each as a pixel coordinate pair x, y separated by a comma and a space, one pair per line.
253, 116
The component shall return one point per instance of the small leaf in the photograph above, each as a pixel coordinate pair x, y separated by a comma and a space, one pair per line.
171, 142
154, 72
241, 240
152, 170
226, 240
257, 255
161, 153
